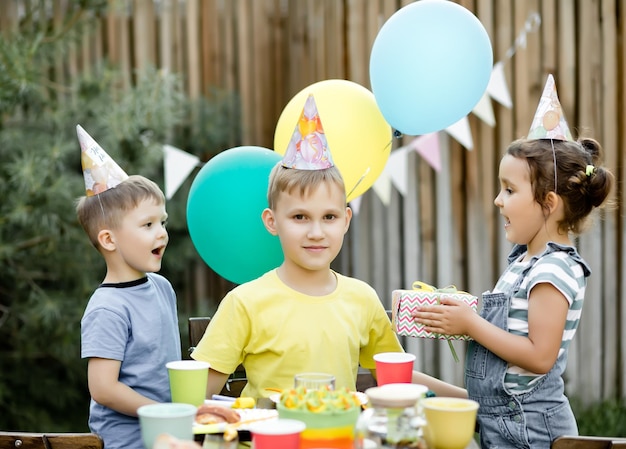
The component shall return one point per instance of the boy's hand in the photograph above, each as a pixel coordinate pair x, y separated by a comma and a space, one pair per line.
451, 317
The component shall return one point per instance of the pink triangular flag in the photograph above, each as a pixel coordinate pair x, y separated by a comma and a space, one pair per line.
427, 146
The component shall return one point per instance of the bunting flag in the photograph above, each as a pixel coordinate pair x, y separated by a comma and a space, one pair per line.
462, 133
397, 169
355, 205
178, 164
484, 110
497, 88
382, 186
427, 146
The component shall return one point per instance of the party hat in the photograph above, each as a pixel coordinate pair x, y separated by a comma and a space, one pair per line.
100, 171
549, 121
308, 148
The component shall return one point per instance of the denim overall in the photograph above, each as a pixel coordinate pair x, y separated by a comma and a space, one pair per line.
525, 420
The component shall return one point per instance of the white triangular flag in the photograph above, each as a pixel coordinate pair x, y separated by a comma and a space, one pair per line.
382, 187
497, 88
484, 110
355, 204
397, 168
178, 164
462, 133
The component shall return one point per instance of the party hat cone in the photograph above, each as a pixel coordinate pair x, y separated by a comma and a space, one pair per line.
100, 171
549, 121
308, 148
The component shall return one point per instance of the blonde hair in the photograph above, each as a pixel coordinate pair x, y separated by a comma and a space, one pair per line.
106, 210
284, 179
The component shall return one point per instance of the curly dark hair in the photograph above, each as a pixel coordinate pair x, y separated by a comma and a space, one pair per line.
581, 180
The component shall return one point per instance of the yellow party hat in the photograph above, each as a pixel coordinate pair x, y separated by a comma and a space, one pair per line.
308, 148
549, 121
100, 171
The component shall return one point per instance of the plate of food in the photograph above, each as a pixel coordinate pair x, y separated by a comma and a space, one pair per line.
362, 397
222, 418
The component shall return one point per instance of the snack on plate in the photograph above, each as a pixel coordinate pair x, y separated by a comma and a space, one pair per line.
215, 414
329, 415
319, 401
167, 441
244, 403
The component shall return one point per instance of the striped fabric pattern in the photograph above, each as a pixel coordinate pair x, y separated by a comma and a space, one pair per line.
565, 274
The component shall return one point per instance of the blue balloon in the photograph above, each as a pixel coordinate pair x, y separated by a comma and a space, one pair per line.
429, 66
224, 209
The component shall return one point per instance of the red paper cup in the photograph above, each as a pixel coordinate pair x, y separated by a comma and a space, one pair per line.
394, 368
278, 433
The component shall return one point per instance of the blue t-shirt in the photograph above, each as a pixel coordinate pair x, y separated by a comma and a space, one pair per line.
137, 324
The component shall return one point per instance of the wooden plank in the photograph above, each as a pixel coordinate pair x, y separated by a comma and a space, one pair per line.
607, 103
245, 63
143, 33
620, 191
590, 337
208, 44
193, 36
166, 24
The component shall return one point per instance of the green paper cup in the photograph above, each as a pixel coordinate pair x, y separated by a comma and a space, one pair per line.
188, 380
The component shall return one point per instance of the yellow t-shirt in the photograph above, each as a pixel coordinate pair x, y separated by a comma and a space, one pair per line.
277, 332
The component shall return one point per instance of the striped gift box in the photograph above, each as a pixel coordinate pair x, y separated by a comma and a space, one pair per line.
405, 302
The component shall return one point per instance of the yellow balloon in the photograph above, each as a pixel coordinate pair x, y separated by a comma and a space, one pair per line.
358, 136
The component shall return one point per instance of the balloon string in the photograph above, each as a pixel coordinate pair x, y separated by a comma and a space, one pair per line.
366, 172
358, 182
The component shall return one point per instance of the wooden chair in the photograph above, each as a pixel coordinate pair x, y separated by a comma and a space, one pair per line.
588, 442
238, 379
25, 440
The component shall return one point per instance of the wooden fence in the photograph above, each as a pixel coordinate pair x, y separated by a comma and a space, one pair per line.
445, 230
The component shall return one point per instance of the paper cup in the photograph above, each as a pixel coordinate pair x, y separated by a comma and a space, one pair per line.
450, 422
171, 418
394, 367
314, 381
188, 380
279, 433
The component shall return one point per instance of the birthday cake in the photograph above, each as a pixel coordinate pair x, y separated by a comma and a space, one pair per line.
329, 415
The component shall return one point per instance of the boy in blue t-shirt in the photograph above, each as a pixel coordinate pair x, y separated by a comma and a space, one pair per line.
129, 330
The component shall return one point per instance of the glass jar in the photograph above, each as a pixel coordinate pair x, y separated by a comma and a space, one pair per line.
392, 419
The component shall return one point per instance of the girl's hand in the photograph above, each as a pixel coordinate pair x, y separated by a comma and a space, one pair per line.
451, 317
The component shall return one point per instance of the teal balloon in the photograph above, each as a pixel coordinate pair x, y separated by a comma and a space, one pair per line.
224, 209
429, 66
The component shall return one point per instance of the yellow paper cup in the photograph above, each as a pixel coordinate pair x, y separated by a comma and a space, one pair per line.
188, 380
450, 422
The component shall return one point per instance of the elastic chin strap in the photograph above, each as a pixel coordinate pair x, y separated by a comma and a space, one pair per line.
102, 208
554, 160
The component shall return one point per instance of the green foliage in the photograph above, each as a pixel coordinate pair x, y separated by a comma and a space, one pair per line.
605, 418
49, 269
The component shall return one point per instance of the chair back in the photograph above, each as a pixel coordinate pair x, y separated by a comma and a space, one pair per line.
237, 380
588, 442
26, 440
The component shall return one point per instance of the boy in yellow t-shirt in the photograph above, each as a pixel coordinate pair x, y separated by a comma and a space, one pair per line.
301, 316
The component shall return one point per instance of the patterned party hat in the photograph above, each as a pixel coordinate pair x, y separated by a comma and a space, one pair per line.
308, 148
100, 171
549, 121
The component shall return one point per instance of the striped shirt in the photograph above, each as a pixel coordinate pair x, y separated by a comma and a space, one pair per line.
566, 275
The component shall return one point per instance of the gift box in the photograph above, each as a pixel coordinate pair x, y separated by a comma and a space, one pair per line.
405, 302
